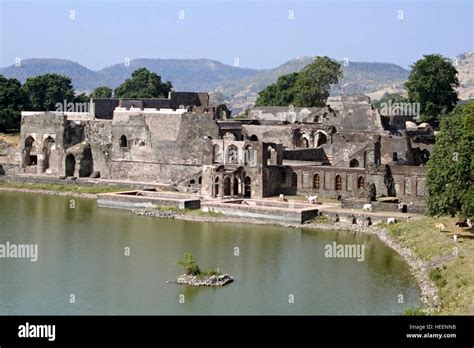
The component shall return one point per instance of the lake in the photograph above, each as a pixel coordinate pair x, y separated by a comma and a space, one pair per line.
82, 259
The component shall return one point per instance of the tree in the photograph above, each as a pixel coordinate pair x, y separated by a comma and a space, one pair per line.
390, 97
102, 92
432, 83
451, 165
309, 87
280, 93
315, 80
143, 84
44, 91
189, 264
12, 101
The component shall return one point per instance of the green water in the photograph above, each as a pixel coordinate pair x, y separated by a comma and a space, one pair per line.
81, 252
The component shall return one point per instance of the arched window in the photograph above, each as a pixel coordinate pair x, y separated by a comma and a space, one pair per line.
338, 183
360, 182
253, 137
354, 163
248, 155
123, 141
316, 181
232, 154
200, 180
294, 180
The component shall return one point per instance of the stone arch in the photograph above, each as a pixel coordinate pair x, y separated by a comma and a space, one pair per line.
338, 183
253, 137
216, 154
232, 154
248, 187
48, 143
123, 142
316, 181
86, 164
360, 182
320, 138
70, 165
304, 142
354, 163
30, 160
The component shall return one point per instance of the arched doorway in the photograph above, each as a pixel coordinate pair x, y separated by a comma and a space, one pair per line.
320, 139
226, 186
123, 141
294, 180
248, 187
236, 187
304, 143
338, 184
47, 145
29, 144
86, 166
70, 165
316, 181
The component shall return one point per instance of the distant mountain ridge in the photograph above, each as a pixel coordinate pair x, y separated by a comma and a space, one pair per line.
238, 87
185, 74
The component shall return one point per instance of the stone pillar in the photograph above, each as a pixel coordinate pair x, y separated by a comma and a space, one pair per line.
221, 185
232, 177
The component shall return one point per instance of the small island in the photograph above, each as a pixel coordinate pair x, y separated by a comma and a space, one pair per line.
195, 277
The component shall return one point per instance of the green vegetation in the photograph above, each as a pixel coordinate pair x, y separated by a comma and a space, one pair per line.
12, 100
192, 268
322, 219
45, 91
102, 92
143, 84
454, 276
309, 87
432, 83
449, 179
62, 187
390, 97
280, 93
415, 312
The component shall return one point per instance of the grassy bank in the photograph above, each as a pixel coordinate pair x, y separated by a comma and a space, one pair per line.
61, 187
451, 269
11, 138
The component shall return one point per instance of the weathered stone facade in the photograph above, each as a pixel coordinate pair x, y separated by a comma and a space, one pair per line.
337, 150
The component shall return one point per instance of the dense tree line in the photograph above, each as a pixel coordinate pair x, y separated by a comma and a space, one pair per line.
43, 92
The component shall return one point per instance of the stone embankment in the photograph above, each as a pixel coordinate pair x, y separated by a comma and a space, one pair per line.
214, 280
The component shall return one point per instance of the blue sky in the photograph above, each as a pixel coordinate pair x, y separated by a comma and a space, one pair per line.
259, 33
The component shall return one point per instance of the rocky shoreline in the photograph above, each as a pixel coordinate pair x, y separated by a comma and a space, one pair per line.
213, 280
